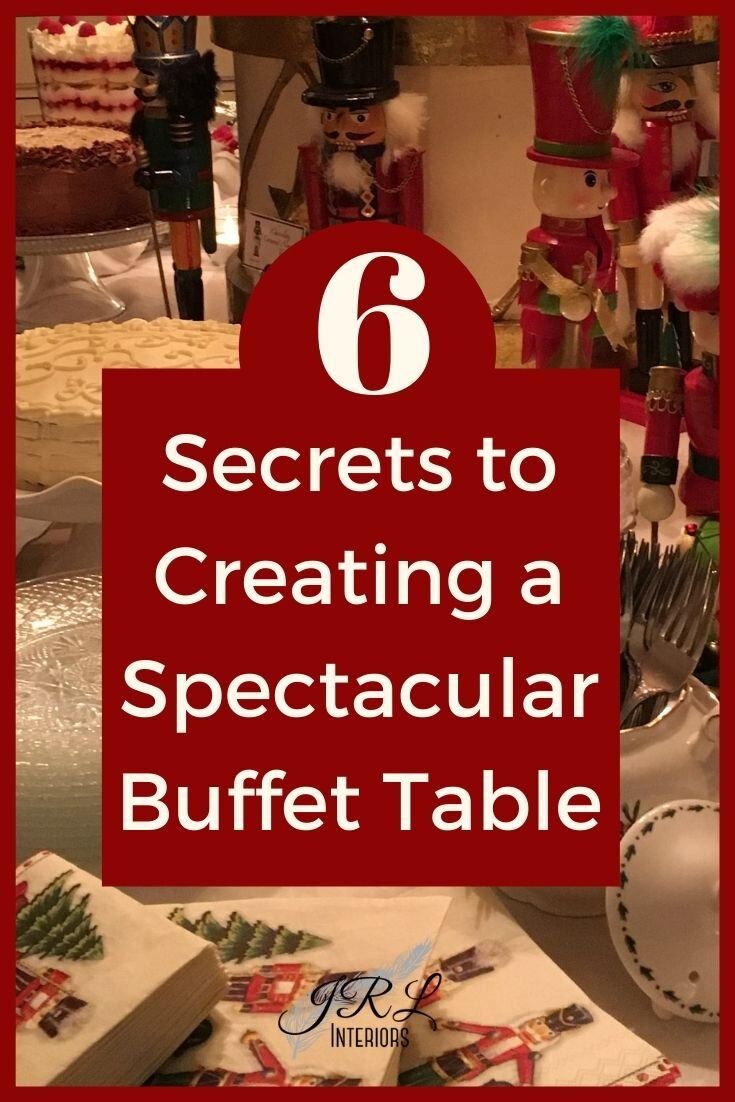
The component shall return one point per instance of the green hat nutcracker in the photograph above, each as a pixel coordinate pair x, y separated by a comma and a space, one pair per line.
177, 88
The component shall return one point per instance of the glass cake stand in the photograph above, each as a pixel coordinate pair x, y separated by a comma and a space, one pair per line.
61, 284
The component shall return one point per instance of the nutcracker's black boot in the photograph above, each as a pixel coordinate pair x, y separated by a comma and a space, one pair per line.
189, 293
648, 346
680, 321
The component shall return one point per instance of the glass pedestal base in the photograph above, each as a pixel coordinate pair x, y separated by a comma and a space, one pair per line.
64, 289
60, 283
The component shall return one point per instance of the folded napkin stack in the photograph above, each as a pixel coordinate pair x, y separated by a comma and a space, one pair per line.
105, 988
326, 991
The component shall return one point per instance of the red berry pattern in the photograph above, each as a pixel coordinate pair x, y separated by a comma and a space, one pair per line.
87, 30
69, 20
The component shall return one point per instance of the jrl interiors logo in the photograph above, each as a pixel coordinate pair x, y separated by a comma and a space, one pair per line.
362, 1010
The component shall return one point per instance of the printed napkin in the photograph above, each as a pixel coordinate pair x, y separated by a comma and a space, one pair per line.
317, 990
105, 988
505, 1016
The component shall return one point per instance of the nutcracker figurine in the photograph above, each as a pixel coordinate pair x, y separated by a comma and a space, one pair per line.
272, 988
176, 89
659, 119
567, 270
681, 243
268, 1072
364, 164
468, 964
496, 1045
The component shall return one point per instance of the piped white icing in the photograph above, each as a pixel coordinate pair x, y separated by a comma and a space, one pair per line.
59, 377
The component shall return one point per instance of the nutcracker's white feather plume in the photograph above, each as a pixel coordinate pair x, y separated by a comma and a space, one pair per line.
344, 171
405, 118
684, 145
684, 239
707, 109
628, 127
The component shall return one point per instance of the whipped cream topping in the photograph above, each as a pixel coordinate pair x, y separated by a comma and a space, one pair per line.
111, 42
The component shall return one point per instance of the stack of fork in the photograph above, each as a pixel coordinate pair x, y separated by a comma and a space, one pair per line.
667, 603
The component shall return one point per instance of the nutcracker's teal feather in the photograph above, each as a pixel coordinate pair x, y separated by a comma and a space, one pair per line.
606, 42
707, 226
704, 217
669, 353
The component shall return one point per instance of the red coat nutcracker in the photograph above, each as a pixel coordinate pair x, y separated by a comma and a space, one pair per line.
657, 118
478, 960
495, 1046
567, 272
44, 996
274, 987
270, 1073
682, 244
364, 164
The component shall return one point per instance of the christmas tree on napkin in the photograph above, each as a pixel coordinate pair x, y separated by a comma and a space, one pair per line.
105, 988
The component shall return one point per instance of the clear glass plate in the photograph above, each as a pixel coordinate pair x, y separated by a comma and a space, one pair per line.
58, 717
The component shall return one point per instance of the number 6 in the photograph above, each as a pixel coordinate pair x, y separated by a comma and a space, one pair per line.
339, 325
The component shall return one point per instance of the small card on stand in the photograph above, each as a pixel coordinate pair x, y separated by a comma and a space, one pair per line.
320, 991
266, 238
105, 988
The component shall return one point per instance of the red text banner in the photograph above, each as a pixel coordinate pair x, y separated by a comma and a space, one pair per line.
360, 596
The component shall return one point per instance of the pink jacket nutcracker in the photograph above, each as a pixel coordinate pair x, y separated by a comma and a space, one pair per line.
682, 243
364, 164
568, 263
660, 118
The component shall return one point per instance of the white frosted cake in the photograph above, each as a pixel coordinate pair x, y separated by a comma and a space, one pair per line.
59, 385
84, 71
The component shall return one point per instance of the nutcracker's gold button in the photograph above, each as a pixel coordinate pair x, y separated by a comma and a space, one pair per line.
575, 306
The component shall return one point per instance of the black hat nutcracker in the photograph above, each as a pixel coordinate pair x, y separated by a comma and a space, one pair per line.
363, 164
177, 88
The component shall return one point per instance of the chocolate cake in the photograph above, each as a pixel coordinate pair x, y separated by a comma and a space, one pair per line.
75, 179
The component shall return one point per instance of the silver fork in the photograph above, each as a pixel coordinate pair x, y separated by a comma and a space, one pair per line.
669, 640
648, 572
626, 592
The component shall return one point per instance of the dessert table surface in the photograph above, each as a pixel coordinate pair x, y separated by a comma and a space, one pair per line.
581, 946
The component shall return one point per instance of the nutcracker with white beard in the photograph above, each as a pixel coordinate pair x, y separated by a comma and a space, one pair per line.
364, 164
664, 114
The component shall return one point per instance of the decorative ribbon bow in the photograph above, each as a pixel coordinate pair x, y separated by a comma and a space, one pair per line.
575, 300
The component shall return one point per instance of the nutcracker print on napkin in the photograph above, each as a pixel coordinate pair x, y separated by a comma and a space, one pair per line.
321, 992
506, 1016
104, 987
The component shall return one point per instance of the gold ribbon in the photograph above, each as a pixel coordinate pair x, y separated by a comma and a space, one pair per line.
570, 294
